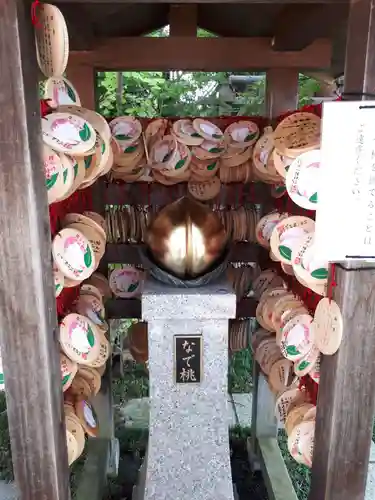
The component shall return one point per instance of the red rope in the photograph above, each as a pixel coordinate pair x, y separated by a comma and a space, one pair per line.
34, 14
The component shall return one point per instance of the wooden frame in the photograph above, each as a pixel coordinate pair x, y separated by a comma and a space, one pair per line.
195, 54
28, 319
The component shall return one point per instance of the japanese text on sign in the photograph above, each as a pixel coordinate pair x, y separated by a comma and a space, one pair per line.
345, 217
188, 359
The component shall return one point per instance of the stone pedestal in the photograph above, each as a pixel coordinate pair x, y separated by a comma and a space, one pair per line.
188, 452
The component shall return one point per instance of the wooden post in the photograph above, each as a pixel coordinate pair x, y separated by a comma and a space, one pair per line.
28, 322
183, 20
281, 91
346, 395
82, 77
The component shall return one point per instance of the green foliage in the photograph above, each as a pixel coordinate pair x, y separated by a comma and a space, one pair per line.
154, 93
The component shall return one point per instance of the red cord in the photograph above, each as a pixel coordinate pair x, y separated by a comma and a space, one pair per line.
332, 281
34, 14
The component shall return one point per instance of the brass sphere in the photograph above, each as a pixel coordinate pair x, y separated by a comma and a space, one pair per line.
186, 238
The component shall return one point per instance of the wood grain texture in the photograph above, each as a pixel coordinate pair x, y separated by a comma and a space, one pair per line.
183, 20
199, 54
83, 78
203, 1
281, 91
276, 476
346, 399
27, 303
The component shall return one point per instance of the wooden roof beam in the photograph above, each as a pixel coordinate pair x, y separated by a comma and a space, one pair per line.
295, 27
204, 1
183, 20
200, 54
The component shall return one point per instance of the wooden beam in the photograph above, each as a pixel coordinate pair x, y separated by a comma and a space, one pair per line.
132, 308
127, 253
28, 321
202, 1
346, 399
183, 20
155, 194
200, 54
82, 77
281, 91
296, 26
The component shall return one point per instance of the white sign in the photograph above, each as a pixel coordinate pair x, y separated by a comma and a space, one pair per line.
345, 216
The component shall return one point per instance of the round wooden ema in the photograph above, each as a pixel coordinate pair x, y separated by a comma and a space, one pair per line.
208, 130
91, 307
87, 289
281, 163
301, 443
98, 219
68, 174
265, 227
97, 121
297, 337
58, 280
126, 130
78, 165
94, 237
85, 412
80, 388
266, 279
74, 426
287, 315
297, 133
101, 369
92, 377
328, 326
73, 254
281, 305
296, 416
80, 339
126, 282
302, 179
101, 283
179, 162
284, 401
185, 132
68, 133
236, 159
204, 191
267, 295
258, 337
286, 235
164, 180
104, 352
52, 41
241, 134
53, 174
69, 407
208, 150
137, 173
262, 149
306, 364
68, 371
61, 91
280, 374
305, 264
86, 220
267, 350
204, 169
72, 447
